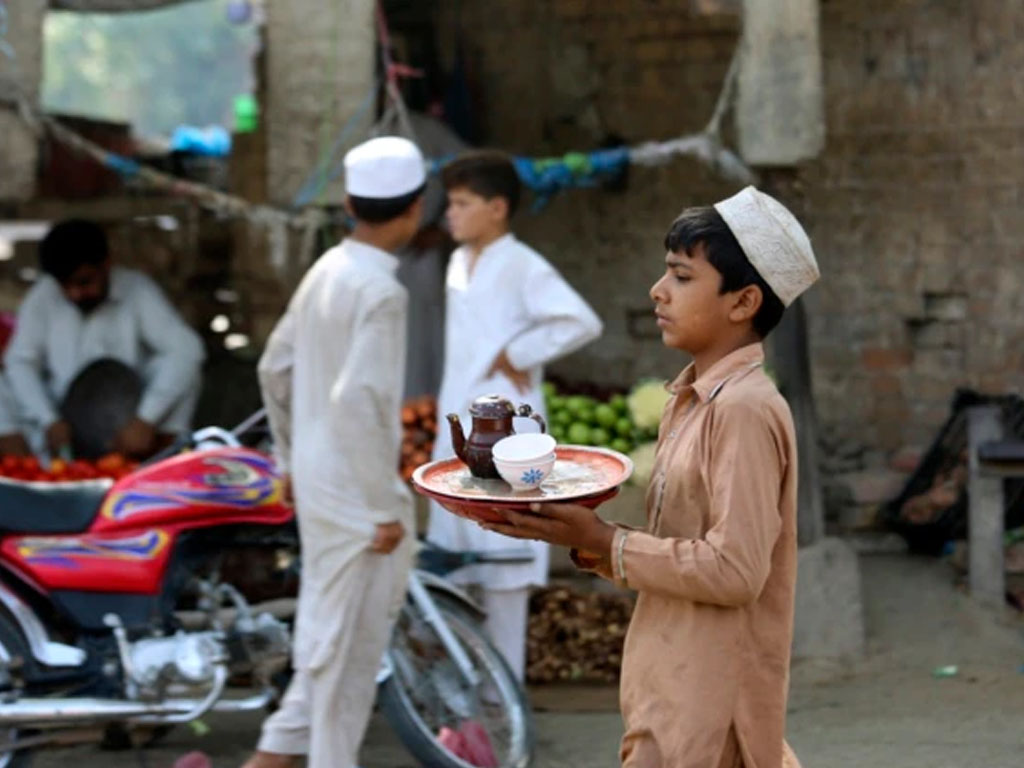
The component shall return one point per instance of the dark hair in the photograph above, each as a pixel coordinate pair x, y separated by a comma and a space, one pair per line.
485, 172
380, 211
71, 244
705, 226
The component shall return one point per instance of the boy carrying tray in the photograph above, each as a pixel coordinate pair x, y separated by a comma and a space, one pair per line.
705, 670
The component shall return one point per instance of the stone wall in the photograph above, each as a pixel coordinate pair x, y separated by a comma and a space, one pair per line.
913, 206
915, 211
19, 146
319, 69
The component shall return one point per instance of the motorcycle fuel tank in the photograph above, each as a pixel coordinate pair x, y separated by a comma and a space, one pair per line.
129, 544
223, 486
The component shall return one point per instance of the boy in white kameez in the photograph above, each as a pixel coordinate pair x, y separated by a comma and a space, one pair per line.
332, 377
508, 314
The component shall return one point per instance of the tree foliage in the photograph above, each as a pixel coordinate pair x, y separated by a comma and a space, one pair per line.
155, 69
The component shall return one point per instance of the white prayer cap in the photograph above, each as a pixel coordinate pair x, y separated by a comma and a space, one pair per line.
773, 241
383, 168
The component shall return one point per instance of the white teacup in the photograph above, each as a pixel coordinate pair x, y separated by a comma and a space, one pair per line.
526, 476
528, 446
524, 461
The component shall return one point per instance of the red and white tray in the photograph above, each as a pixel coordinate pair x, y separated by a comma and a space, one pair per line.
581, 475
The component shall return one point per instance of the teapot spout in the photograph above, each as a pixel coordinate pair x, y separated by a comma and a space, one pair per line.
458, 436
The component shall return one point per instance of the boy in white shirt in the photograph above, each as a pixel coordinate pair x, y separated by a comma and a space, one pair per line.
508, 314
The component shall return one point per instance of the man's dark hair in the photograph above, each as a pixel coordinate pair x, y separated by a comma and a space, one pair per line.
379, 211
71, 244
705, 226
485, 172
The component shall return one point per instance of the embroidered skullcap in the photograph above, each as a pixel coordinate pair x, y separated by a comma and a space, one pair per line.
773, 241
384, 168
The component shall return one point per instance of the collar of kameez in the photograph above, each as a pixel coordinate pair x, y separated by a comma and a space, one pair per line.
502, 241
372, 256
710, 384
505, 240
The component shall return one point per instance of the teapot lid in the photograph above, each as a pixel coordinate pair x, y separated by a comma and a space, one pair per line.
492, 407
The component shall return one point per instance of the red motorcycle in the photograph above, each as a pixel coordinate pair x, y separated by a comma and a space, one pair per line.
113, 611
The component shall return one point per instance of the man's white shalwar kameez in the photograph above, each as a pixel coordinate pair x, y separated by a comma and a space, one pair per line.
332, 381
136, 325
514, 301
10, 422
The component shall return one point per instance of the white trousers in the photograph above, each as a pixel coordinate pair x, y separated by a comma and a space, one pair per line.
325, 711
507, 621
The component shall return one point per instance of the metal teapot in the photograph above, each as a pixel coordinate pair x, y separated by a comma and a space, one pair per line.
492, 421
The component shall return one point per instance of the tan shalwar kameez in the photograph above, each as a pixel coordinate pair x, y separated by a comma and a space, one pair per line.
706, 664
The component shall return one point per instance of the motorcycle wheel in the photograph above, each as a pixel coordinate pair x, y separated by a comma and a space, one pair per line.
426, 692
13, 647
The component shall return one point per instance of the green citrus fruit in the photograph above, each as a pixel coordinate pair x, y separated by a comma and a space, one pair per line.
575, 404
579, 433
622, 445
605, 416
599, 436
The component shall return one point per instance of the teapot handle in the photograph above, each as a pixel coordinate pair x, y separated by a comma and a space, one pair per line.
526, 412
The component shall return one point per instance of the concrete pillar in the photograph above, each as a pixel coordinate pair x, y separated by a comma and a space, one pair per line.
20, 151
829, 611
780, 104
985, 510
320, 68
789, 361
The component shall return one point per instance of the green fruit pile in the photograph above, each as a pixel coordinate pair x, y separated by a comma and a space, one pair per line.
582, 420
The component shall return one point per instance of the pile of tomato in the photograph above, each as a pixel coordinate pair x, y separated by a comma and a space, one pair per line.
419, 427
28, 469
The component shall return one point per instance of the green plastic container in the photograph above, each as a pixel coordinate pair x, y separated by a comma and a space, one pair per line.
247, 113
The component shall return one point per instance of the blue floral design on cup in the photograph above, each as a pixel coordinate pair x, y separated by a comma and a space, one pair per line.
532, 476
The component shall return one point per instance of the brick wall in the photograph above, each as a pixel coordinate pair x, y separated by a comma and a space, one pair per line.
573, 74
915, 210
19, 147
913, 207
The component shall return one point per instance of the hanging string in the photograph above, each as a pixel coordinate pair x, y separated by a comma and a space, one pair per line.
395, 113
328, 169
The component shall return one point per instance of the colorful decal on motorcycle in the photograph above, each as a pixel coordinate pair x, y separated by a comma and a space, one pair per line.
244, 481
66, 551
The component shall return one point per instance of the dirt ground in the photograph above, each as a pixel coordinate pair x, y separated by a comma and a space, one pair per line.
886, 710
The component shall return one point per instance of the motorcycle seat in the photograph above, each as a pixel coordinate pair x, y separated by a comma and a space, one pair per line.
39, 509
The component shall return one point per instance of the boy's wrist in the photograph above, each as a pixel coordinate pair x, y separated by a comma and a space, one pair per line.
600, 539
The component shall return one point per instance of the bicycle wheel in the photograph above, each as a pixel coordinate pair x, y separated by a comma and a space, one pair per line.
443, 720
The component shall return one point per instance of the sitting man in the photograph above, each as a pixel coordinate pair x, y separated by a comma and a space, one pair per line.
84, 309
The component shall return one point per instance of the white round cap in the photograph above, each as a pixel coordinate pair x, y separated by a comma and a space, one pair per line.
773, 241
384, 168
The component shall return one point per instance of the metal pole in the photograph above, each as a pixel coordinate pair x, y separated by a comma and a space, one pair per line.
433, 617
986, 510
